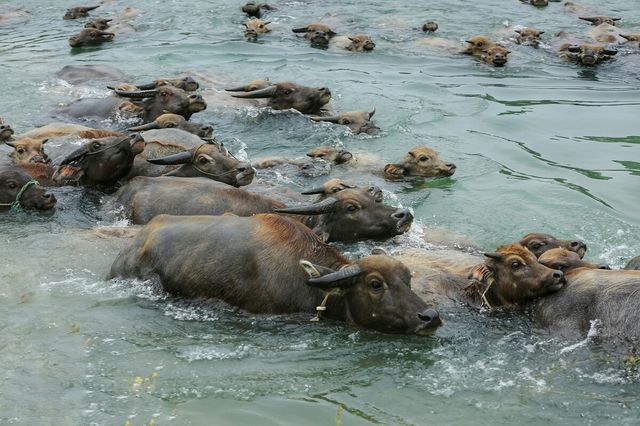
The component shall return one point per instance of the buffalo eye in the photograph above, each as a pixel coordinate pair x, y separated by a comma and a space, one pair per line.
288, 91
165, 94
335, 189
202, 160
376, 285
12, 185
479, 44
170, 125
346, 121
515, 264
93, 35
261, 26
96, 145
423, 158
536, 246
352, 207
20, 151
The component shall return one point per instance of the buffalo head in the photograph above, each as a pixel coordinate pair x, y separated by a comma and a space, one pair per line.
254, 9
495, 55
330, 154
430, 26
174, 121
357, 121
99, 24
590, 54
529, 36
478, 44
377, 295
361, 43
27, 150
90, 37
165, 99
188, 84
256, 27
79, 12
285, 95
19, 190
420, 161
538, 243
317, 33
6, 132
565, 260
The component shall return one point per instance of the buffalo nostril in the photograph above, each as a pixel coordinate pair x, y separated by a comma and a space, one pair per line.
241, 169
429, 315
557, 275
206, 128
576, 244
402, 214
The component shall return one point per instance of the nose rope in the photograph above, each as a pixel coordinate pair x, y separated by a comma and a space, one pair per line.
321, 308
15, 206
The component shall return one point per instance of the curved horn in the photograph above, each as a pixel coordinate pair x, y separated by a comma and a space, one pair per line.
148, 86
327, 205
494, 255
610, 51
340, 278
137, 93
142, 127
179, 158
300, 30
315, 271
13, 145
267, 92
75, 155
235, 89
373, 111
333, 119
628, 37
587, 18
310, 191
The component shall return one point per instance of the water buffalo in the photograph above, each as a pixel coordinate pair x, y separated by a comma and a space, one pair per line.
631, 37
254, 9
100, 161
360, 43
539, 243
588, 54
420, 161
6, 132
317, 33
188, 84
80, 74
510, 277
597, 20
349, 215
565, 260
478, 44
251, 86
27, 150
18, 191
430, 27
210, 161
175, 121
90, 37
328, 154
53, 130
602, 304
256, 27
285, 95
528, 36
496, 55
99, 24
79, 12
633, 264
149, 104
537, 3
357, 121
234, 259
486, 49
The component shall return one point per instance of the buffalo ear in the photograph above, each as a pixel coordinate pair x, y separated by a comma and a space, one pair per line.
610, 51
343, 278
315, 271
11, 144
574, 49
481, 273
45, 141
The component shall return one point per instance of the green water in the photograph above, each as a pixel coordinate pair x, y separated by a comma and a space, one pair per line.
540, 145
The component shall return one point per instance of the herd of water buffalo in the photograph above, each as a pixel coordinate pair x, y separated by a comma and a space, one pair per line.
205, 236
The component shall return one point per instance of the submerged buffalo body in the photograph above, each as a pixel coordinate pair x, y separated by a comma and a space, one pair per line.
263, 264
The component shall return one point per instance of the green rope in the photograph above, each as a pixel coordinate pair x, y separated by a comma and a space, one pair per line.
15, 206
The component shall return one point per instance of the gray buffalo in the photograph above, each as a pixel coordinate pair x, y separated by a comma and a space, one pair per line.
286, 95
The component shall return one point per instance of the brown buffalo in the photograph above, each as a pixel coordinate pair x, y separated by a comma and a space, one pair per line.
478, 44
90, 37
6, 132
79, 12
597, 20
587, 53
537, 3
251, 86
348, 215
328, 155
99, 24
256, 27
27, 150
254, 9
565, 260
496, 55
53, 130
633, 264
175, 121
603, 305
210, 161
18, 191
420, 161
100, 161
631, 36
285, 95
529, 36
188, 84
332, 186
148, 104
510, 277
486, 49
357, 121
318, 33
232, 258
361, 43
430, 26
539, 243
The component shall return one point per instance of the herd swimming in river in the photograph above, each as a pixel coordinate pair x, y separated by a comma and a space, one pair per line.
204, 235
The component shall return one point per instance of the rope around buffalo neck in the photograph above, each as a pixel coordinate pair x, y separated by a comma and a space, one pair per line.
15, 206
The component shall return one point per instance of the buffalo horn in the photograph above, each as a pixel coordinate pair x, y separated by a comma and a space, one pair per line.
300, 30
267, 92
333, 119
75, 155
315, 271
628, 37
586, 18
373, 111
142, 127
148, 86
336, 279
494, 255
610, 52
327, 205
235, 89
179, 158
136, 93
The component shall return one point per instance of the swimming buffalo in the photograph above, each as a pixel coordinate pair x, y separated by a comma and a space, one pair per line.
100, 161
430, 26
599, 303
317, 33
255, 28
539, 243
6, 132
565, 260
420, 161
188, 84
360, 43
234, 259
251, 86
587, 53
330, 154
529, 36
90, 37
597, 20
175, 121
254, 9
357, 121
18, 190
486, 49
285, 95
99, 24
307, 165
478, 44
79, 12
27, 150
